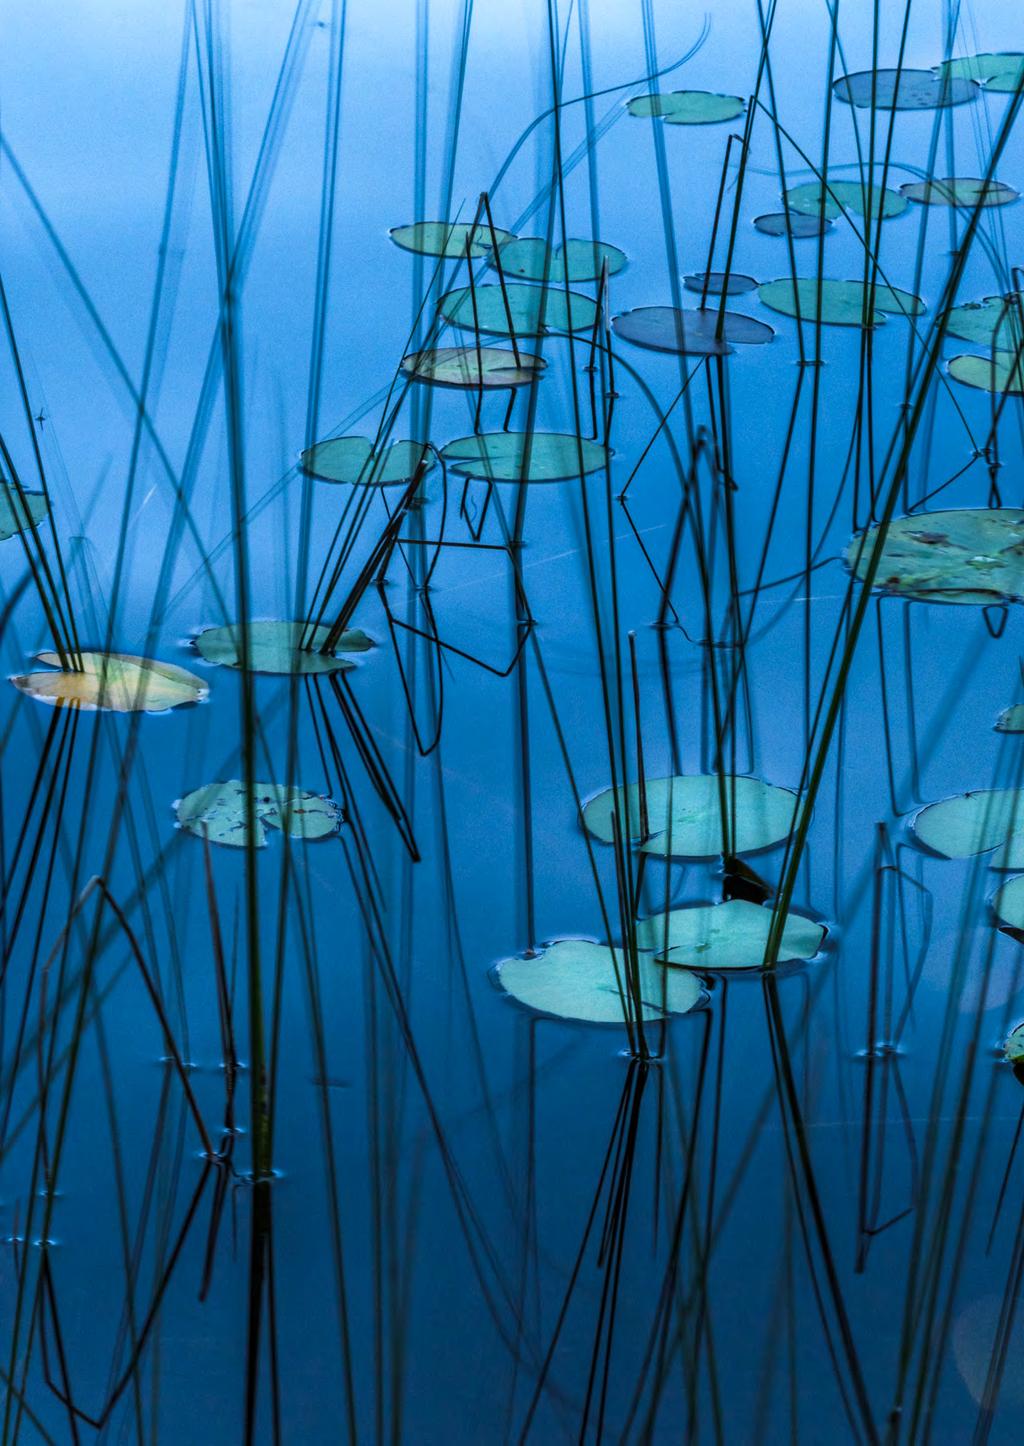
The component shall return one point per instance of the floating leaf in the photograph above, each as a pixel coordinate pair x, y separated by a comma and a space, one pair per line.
719, 283
114, 683
969, 555
999, 72
19, 511
902, 89
794, 223
533, 309
530, 258
994, 322
444, 238
574, 979
689, 333
1009, 907
1000, 371
525, 456
219, 812
1011, 720
841, 303
1014, 1047
959, 191
813, 199
470, 366
974, 823
688, 107
274, 647
684, 814
733, 935
352, 459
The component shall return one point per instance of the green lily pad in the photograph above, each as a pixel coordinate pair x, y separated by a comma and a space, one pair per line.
218, 811
473, 367
903, 89
813, 199
525, 456
353, 460
968, 555
113, 683
842, 303
529, 258
994, 322
794, 223
533, 309
689, 333
19, 512
959, 191
1011, 720
732, 935
720, 284
574, 979
444, 238
975, 823
1009, 900
684, 818
274, 647
1001, 371
688, 107
999, 72
1014, 1047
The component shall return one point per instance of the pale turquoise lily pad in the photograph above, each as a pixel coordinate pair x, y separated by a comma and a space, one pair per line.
533, 310
838, 303
969, 191
529, 257
717, 283
219, 812
811, 198
525, 456
700, 332
688, 107
113, 683
1014, 1047
354, 460
995, 322
995, 72
473, 367
903, 89
684, 815
280, 647
575, 979
976, 823
969, 555
1008, 903
1000, 371
19, 511
727, 936
792, 223
449, 238
1011, 720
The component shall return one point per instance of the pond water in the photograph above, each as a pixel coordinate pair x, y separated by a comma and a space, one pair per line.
311, 1130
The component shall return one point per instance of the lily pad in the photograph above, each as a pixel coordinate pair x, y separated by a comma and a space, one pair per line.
999, 72
574, 979
690, 333
684, 815
994, 322
1014, 1047
733, 935
445, 238
533, 309
975, 823
113, 683
1001, 371
794, 223
903, 89
475, 367
959, 191
970, 555
525, 456
19, 511
813, 199
529, 258
719, 283
1009, 900
353, 460
842, 303
1011, 720
688, 107
219, 812
274, 647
